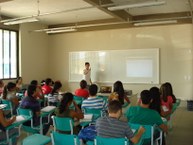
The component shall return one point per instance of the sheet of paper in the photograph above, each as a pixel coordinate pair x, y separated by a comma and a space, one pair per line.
87, 118
165, 109
48, 108
19, 118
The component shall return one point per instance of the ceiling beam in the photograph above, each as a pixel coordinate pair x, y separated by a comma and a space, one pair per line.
2, 1
103, 21
179, 15
103, 5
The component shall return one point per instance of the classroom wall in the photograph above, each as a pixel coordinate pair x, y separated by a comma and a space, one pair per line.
175, 43
33, 52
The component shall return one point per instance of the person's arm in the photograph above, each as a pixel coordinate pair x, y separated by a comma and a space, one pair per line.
127, 99
15, 101
76, 107
165, 113
163, 127
6, 122
90, 81
77, 115
138, 135
86, 71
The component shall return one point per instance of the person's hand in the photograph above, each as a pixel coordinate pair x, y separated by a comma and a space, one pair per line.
13, 118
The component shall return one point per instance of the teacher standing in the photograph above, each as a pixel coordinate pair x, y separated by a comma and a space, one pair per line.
87, 74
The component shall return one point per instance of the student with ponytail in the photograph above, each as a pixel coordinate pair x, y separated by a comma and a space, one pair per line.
9, 93
64, 109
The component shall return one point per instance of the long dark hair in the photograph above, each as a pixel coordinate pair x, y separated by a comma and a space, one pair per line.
48, 81
31, 89
7, 88
34, 82
164, 92
57, 85
66, 98
118, 88
156, 100
170, 91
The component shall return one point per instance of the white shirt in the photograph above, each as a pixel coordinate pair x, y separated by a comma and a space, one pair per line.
86, 75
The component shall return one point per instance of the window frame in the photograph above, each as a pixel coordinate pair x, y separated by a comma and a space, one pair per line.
17, 52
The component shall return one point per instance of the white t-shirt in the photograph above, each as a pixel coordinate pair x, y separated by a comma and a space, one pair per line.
86, 75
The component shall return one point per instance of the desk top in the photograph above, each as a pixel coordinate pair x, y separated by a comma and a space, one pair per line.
20, 119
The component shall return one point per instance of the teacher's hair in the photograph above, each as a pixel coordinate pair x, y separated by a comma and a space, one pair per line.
86, 63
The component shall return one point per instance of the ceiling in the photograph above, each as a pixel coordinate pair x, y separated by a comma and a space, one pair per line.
61, 13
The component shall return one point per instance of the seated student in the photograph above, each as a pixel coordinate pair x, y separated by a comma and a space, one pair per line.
156, 100
19, 84
118, 88
39, 94
30, 102
93, 102
4, 123
170, 91
166, 100
82, 91
64, 109
143, 115
46, 88
54, 96
9, 93
111, 127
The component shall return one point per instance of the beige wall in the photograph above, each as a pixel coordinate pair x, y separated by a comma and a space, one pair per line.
175, 43
33, 53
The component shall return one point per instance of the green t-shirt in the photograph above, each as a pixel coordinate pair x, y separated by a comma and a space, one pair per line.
144, 116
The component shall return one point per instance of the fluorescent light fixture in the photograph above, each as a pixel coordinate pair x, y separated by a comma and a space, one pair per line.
137, 5
20, 21
60, 31
155, 23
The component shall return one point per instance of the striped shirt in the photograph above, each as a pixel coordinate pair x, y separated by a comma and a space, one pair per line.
113, 128
93, 103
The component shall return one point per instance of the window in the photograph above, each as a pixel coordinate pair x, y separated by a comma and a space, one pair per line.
8, 54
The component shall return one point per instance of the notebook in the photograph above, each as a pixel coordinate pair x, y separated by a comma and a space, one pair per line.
19, 118
48, 108
87, 118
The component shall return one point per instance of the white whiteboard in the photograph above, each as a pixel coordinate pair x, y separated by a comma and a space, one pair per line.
128, 66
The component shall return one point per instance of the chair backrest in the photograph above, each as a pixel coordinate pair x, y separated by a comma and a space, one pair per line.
64, 139
9, 105
26, 112
148, 135
110, 141
78, 99
63, 124
96, 112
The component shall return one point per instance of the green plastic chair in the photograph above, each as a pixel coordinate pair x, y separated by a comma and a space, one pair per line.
9, 138
78, 100
36, 139
30, 129
178, 101
64, 139
9, 106
12, 135
148, 136
96, 113
110, 141
63, 124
